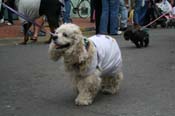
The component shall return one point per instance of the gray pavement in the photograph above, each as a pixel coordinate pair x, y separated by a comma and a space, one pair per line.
33, 85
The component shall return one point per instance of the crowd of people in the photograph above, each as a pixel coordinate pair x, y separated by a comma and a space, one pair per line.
110, 16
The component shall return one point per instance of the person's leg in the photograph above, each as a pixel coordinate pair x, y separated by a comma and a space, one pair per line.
26, 26
124, 15
10, 18
104, 17
114, 9
143, 19
92, 11
10, 3
1, 11
53, 24
39, 21
66, 15
52, 13
140, 12
137, 10
98, 8
2, 14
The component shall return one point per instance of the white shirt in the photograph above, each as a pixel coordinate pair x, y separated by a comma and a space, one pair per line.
107, 55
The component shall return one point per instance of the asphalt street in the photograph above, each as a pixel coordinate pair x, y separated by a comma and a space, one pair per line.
33, 85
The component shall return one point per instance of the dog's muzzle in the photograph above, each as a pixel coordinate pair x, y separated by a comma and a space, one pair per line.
59, 46
54, 38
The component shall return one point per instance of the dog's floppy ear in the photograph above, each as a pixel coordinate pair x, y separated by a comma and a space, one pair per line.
77, 35
83, 56
84, 53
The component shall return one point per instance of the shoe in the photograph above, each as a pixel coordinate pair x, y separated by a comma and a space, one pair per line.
1, 20
119, 32
41, 33
25, 41
30, 33
34, 39
9, 24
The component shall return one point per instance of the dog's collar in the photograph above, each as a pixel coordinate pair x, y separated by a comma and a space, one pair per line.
86, 42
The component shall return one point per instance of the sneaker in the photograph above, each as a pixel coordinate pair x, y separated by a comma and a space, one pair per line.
119, 32
9, 24
2, 20
30, 33
41, 33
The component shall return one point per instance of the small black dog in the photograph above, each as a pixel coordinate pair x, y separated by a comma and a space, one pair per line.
139, 37
170, 23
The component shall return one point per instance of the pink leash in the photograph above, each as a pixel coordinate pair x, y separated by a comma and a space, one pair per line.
152, 21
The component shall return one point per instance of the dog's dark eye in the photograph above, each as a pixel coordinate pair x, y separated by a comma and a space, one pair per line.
65, 34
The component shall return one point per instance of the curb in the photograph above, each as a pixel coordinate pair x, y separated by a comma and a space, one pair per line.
87, 29
7, 41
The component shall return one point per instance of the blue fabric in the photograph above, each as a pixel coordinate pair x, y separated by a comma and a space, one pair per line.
140, 12
66, 15
109, 16
124, 14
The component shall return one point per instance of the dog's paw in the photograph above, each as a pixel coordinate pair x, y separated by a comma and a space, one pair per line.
83, 102
109, 91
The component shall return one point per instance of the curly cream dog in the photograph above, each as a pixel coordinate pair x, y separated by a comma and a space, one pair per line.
94, 63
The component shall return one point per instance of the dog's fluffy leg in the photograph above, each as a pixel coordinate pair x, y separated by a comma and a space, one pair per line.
110, 85
88, 88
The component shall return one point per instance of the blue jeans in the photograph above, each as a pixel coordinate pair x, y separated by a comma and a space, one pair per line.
109, 17
123, 11
140, 12
66, 15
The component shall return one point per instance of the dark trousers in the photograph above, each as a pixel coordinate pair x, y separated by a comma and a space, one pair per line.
92, 3
1, 12
10, 3
98, 10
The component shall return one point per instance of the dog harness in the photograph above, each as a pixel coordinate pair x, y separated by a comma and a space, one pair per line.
107, 55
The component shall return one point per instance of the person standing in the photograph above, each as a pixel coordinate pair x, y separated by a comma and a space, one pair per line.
109, 17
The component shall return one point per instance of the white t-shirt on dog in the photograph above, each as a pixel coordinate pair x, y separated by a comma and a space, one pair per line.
108, 58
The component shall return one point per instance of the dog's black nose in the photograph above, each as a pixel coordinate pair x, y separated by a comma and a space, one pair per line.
54, 38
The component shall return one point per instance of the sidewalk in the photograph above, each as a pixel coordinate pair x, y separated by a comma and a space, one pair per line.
15, 30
